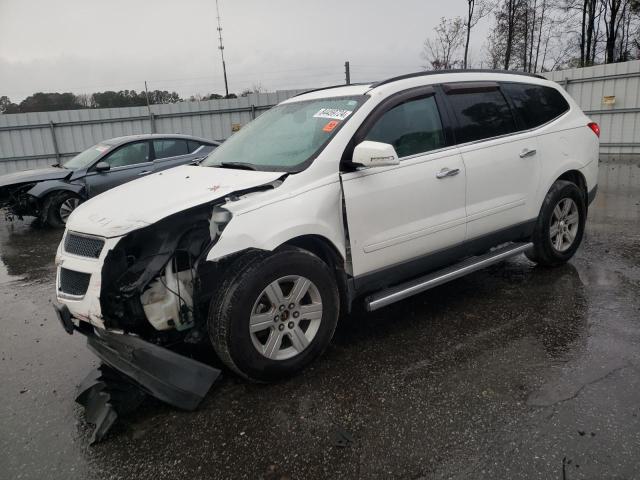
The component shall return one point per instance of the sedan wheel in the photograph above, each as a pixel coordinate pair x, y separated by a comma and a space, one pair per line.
68, 206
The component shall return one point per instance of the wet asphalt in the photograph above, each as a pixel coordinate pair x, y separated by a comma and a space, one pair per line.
512, 372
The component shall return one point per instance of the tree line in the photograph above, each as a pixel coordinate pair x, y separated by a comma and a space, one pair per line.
47, 102
538, 35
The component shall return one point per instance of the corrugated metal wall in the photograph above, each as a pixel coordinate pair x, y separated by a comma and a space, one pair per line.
32, 140
619, 121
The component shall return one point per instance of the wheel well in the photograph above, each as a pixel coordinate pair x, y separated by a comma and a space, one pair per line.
327, 252
574, 176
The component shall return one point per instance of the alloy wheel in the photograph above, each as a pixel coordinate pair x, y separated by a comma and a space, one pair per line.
68, 206
286, 317
565, 221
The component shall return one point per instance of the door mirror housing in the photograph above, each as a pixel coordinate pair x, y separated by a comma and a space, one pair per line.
375, 154
102, 167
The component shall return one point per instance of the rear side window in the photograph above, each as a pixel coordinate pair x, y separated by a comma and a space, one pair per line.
412, 127
535, 104
193, 145
481, 115
170, 148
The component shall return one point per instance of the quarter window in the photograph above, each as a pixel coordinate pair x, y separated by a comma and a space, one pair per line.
412, 127
481, 115
193, 145
535, 104
129, 155
170, 148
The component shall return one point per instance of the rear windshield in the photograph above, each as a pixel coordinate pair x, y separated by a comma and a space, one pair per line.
287, 137
86, 158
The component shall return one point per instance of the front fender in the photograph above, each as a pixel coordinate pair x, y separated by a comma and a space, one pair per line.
315, 212
42, 189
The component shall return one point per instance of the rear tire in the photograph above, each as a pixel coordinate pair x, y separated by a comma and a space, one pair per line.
274, 313
560, 226
57, 208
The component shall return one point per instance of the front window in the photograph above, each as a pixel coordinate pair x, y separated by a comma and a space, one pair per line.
130, 154
286, 137
86, 158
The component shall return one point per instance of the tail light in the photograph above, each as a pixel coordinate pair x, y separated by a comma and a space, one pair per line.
595, 128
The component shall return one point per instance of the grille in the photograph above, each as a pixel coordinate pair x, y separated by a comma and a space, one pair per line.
83, 246
74, 283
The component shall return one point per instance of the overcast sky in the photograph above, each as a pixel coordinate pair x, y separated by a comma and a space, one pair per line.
93, 45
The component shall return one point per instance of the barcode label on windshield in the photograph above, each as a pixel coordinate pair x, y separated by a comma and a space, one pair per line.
333, 114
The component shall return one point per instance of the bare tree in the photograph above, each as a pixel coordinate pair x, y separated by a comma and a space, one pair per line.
476, 10
443, 50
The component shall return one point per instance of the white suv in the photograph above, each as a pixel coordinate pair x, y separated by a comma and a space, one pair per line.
365, 193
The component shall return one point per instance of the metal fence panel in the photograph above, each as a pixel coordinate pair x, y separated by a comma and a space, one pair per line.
619, 121
31, 140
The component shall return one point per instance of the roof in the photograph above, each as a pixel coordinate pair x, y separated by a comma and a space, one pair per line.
151, 136
449, 72
453, 75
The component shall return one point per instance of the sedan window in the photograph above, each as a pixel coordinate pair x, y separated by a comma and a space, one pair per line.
170, 148
129, 155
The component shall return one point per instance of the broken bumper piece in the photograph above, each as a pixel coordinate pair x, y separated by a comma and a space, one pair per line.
170, 377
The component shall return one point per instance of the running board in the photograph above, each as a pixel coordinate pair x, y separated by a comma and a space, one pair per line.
413, 287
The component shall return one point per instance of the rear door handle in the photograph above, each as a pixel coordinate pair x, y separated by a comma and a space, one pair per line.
527, 153
145, 172
447, 172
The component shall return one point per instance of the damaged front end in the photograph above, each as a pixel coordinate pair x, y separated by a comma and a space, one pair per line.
154, 293
16, 202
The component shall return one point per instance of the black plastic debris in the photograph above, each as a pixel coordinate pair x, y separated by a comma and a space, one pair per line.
107, 394
133, 368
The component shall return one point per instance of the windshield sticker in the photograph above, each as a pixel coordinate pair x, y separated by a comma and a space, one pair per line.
102, 148
333, 113
330, 126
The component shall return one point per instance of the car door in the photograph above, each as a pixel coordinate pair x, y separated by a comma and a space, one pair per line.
170, 152
398, 215
127, 162
501, 163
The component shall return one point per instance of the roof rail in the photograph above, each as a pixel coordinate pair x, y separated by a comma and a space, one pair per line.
440, 72
330, 87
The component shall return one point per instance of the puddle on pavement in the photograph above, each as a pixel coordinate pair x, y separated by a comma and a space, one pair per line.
27, 251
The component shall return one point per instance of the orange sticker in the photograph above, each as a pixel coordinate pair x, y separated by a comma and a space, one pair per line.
330, 126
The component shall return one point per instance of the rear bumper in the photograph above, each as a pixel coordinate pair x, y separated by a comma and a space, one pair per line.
175, 379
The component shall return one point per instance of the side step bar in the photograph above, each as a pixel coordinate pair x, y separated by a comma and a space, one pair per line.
413, 287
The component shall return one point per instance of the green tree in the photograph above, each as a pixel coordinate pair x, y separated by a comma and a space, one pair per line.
7, 106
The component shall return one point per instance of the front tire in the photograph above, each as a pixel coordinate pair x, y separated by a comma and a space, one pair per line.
57, 208
274, 313
560, 226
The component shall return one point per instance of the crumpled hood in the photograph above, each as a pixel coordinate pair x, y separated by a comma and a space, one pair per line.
38, 175
145, 201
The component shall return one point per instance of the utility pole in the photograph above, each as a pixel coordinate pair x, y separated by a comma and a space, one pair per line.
221, 48
347, 73
151, 120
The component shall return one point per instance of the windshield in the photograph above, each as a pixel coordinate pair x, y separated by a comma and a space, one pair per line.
286, 137
86, 158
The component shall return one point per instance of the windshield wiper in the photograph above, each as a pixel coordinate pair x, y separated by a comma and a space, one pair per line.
239, 165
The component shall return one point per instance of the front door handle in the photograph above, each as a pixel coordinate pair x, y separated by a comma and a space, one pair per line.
527, 153
145, 172
447, 172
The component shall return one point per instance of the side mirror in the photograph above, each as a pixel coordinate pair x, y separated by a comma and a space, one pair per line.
102, 167
375, 154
